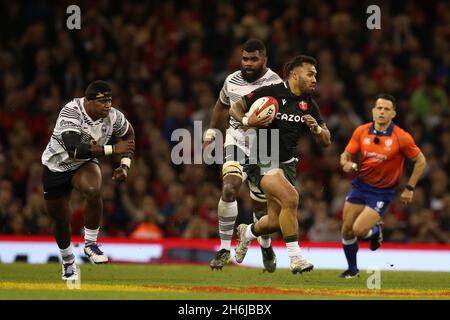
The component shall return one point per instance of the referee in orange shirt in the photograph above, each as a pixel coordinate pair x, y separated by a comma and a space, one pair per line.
383, 147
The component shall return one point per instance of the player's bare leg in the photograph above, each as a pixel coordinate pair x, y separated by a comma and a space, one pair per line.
59, 211
265, 243
368, 226
277, 186
268, 224
88, 181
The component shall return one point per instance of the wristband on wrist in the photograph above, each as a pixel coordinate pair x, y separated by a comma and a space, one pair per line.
108, 150
316, 130
409, 187
245, 121
354, 166
125, 161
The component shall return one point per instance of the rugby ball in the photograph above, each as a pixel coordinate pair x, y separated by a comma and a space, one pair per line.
263, 107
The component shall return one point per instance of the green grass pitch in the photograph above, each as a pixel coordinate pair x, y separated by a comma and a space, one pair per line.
192, 282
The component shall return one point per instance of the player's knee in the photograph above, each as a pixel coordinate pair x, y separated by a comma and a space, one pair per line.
92, 192
347, 232
229, 192
359, 232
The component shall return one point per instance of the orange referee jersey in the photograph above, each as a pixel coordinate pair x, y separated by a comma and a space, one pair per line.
382, 163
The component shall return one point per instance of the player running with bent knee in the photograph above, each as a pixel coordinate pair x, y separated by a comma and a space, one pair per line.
253, 74
83, 128
297, 111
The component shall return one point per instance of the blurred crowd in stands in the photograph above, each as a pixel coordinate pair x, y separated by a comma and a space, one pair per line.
167, 61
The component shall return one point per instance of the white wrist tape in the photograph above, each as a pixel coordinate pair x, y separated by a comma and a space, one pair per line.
245, 121
354, 166
126, 161
210, 135
108, 150
317, 130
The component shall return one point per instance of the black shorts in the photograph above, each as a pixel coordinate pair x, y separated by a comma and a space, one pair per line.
58, 184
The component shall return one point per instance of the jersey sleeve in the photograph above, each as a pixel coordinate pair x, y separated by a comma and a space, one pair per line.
251, 97
315, 113
120, 125
274, 79
407, 145
353, 145
69, 119
224, 95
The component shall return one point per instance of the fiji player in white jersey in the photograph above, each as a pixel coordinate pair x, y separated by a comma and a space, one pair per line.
83, 128
253, 74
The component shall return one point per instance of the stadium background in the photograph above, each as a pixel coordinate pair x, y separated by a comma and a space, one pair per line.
167, 61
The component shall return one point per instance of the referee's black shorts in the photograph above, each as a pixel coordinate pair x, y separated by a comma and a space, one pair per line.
58, 184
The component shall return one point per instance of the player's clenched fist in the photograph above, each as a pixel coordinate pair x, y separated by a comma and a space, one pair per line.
120, 174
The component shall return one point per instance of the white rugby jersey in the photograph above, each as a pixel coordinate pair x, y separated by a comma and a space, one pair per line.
73, 117
235, 86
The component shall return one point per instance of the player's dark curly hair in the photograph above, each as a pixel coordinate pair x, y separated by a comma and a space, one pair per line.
298, 61
252, 45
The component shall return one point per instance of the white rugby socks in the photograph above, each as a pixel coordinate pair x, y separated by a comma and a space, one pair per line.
67, 254
249, 236
90, 236
227, 212
292, 247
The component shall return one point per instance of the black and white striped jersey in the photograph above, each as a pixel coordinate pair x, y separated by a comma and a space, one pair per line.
73, 117
235, 86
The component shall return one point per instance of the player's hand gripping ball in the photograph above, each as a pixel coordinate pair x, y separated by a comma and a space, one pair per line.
262, 112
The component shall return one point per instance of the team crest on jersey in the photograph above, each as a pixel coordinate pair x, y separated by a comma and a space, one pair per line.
380, 204
388, 142
303, 105
103, 129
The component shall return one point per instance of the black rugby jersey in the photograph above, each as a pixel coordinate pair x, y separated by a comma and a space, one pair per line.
288, 120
